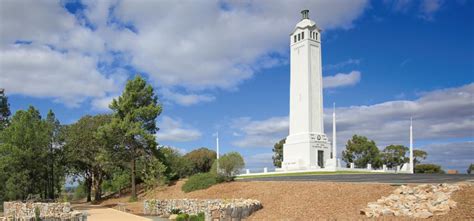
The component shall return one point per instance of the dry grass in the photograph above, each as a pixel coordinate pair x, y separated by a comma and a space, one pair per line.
301, 200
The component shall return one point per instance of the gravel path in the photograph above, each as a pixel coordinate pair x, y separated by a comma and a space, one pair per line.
288, 200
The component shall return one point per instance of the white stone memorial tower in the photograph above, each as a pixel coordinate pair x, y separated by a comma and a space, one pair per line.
306, 147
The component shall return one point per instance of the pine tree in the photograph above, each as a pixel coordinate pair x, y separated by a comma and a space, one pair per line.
4, 110
134, 121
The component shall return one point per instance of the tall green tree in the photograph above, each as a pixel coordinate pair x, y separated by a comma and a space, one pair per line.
201, 159
418, 156
89, 155
23, 151
394, 155
4, 110
55, 159
361, 151
134, 121
278, 153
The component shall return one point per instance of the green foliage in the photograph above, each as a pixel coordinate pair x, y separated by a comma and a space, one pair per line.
175, 211
428, 168
199, 181
278, 153
394, 155
24, 149
134, 122
176, 165
201, 216
118, 180
37, 214
153, 173
193, 218
201, 160
4, 110
80, 192
230, 165
89, 155
361, 151
470, 169
419, 155
182, 217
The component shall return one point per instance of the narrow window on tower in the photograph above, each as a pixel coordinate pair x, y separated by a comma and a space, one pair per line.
294, 38
316, 37
302, 35
299, 37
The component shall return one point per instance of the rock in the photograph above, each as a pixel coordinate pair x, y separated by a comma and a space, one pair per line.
423, 214
422, 201
173, 217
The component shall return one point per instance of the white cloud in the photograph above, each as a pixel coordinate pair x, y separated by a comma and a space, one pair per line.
438, 115
40, 71
186, 99
341, 79
175, 130
258, 161
201, 45
262, 133
451, 155
429, 7
342, 64
426, 9
193, 45
102, 103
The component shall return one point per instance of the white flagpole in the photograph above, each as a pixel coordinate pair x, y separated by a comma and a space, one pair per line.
411, 146
334, 131
217, 150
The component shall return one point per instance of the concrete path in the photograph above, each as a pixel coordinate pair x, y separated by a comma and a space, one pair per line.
108, 214
100, 213
373, 178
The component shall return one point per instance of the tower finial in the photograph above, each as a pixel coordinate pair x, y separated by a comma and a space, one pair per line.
305, 14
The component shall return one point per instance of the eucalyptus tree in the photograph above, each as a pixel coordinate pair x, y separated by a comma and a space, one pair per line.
89, 155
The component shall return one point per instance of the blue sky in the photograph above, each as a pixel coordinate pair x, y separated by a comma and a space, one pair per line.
224, 66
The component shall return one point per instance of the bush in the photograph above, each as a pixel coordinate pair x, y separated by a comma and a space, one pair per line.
199, 181
230, 165
428, 168
182, 217
201, 160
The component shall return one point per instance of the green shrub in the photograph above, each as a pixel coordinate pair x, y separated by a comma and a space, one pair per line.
175, 211
428, 168
182, 217
199, 181
193, 218
201, 216
470, 169
230, 165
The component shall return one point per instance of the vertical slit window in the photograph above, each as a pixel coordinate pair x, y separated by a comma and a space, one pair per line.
302, 35
299, 37
294, 38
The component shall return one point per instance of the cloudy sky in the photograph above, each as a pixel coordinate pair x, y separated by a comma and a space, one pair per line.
224, 66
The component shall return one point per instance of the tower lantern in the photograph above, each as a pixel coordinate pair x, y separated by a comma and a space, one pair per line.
305, 14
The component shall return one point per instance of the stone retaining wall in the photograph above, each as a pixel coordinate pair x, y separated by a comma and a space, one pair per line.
47, 211
214, 209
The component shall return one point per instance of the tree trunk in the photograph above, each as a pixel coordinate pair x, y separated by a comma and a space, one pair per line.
97, 181
88, 183
134, 190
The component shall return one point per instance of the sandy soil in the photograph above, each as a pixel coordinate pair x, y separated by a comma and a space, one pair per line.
301, 200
